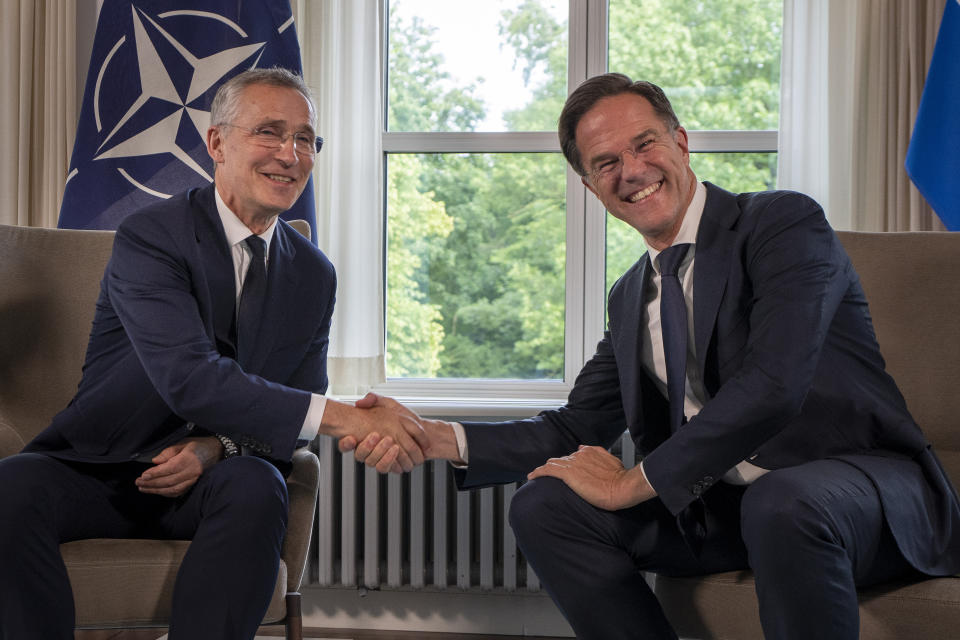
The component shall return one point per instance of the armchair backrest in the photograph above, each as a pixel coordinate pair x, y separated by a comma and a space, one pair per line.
50, 282
912, 282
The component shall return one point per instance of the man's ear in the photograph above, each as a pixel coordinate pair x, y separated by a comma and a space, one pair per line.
680, 136
589, 186
215, 144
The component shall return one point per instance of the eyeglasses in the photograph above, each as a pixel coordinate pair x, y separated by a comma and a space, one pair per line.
611, 167
270, 137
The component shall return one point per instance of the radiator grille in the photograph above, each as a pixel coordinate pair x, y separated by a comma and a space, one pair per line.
416, 530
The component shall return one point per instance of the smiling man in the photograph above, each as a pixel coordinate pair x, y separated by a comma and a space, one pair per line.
204, 370
741, 357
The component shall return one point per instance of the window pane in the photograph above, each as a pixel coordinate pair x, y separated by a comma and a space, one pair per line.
496, 65
475, 265
717, 60
736, 172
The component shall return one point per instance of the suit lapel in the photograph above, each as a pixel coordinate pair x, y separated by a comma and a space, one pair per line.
715, 248
282, 280
628, 308
215, 254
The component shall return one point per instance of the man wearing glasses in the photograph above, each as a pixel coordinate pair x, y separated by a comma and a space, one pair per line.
204, 370
741, 356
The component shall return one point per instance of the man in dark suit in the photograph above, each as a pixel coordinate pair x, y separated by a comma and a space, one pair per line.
209, 341
776, 440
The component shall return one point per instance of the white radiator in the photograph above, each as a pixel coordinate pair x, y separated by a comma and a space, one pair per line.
416, 530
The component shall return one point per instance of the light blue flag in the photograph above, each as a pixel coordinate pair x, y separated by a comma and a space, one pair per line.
933, 159
155, 67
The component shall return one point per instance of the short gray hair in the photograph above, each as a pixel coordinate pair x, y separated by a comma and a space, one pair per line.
226, 103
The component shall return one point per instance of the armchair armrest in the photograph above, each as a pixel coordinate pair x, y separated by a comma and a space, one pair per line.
302, 485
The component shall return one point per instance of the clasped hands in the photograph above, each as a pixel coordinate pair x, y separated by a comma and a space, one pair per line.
395, 439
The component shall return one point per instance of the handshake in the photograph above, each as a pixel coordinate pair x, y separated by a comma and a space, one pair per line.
387, 436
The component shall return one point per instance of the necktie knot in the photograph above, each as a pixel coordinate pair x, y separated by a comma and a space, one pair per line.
257, 246
670, 258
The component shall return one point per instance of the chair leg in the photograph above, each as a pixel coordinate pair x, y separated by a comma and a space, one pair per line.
294, 619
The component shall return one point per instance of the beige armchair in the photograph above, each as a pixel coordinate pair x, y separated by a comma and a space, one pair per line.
50, 280
912, 282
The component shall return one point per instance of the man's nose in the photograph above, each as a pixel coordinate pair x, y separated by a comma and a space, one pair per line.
287, 152
631, 163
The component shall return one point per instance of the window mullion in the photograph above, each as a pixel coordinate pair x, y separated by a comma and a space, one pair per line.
470, 142
586, 239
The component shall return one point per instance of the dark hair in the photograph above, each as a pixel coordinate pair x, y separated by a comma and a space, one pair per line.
592, 91
226, 102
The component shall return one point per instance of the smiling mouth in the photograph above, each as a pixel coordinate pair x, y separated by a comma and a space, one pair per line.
279, 178
640, 195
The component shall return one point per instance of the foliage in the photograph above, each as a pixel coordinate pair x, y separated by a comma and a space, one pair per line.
476, 254
417, 222
418, 92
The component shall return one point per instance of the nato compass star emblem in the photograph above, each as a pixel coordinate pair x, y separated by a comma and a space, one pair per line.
177, 58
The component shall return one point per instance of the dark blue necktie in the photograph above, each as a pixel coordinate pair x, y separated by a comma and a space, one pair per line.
673, 324
252, 298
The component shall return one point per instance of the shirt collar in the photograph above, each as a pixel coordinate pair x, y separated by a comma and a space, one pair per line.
688, 228
235, 230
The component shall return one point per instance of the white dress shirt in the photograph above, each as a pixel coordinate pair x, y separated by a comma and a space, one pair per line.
236, 233
653, 360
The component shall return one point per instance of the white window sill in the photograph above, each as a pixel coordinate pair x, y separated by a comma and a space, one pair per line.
475, 398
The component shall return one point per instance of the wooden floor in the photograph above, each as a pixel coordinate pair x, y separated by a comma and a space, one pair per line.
314, 634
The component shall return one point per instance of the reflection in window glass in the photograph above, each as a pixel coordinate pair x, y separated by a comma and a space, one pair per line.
475, 265
737, 172
495, 65
717, 60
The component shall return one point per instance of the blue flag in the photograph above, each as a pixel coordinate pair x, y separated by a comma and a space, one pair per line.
155, 67
933, 159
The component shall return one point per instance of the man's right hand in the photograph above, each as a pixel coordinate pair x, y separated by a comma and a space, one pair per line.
381, 453
395, 429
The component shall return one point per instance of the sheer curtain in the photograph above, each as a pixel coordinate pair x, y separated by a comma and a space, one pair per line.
816, 103
851, 78
39, 116
340, 40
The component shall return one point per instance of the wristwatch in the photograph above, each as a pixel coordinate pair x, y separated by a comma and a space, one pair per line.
229, 446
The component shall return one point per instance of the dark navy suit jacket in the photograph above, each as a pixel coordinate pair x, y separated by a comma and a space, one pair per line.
791, 365
161, 358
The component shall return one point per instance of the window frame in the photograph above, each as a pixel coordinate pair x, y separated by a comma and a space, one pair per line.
585, 297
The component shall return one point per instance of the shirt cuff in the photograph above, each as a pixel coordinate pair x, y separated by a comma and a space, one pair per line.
645, 475
311, 423
461, 435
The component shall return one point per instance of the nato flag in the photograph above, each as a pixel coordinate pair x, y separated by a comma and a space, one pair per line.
155, 67
933, 158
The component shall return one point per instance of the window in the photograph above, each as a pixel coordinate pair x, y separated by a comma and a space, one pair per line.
498, 260
719, 63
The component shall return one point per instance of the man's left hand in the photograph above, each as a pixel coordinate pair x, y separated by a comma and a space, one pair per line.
179, 466
598, 477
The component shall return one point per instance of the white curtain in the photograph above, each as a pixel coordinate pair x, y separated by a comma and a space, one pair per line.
816, 103
38, 118
340, 40
851, 77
